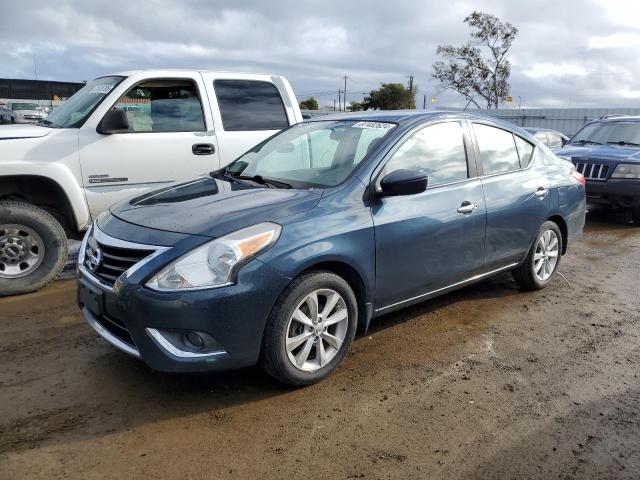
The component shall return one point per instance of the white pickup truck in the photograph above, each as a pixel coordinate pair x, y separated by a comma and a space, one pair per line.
117, 137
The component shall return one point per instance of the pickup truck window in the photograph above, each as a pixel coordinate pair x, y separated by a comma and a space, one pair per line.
247, 105
74, 112
163, 106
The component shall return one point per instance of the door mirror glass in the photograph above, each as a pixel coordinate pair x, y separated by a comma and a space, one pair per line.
115, 121
403, 182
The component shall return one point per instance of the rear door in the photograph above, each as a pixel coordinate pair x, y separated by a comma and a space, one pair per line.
246, 111
170, 139
517, 192
436, 238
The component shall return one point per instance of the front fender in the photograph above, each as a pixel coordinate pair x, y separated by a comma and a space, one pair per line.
53, 156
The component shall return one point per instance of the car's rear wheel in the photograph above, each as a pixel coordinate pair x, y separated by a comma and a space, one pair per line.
635, 215
310, 330
543, 259
33, 248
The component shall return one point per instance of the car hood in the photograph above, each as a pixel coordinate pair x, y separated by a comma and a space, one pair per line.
212, 207
605, 153
23, 131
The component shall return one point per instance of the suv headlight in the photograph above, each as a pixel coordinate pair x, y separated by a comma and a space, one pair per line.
216, 263
626, 171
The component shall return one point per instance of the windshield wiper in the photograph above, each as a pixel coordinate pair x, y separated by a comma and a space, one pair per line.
223, 174
48, 123
623, 143
263, 181
587, 141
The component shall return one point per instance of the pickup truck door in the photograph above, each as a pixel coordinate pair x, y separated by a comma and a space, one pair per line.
247, 111
170, 138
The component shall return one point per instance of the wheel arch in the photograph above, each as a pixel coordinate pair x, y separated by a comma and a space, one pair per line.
43, 192
564, 231
355, 280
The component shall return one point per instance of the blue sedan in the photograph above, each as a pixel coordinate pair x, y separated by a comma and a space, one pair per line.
278, 258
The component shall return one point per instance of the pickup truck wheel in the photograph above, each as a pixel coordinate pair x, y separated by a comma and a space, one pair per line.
635, 215
310, 329
33, 248
543, 259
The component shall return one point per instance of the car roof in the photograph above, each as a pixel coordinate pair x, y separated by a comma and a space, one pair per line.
408, 116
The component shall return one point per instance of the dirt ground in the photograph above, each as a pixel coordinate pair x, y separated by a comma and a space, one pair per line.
488, 382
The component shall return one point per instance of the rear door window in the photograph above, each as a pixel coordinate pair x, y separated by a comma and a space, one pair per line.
525, 151
498, 153
247, 105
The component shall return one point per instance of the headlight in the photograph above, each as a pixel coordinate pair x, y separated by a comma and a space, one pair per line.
626, 171
216, 263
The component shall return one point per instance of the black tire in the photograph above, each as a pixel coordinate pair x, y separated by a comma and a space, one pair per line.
635, 215
53, 238
273, 358
525, 273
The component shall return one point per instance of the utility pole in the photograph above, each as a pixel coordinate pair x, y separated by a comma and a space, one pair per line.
424, 102
334, 104
339, 99
344, 98
411, 98
35, 66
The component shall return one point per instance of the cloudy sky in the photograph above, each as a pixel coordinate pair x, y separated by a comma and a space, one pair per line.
568, 53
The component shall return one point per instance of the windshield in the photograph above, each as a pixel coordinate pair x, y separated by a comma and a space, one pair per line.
25, 106
73, 112
614, 133
315, 154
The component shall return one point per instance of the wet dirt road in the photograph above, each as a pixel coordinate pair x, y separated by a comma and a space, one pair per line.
488, 382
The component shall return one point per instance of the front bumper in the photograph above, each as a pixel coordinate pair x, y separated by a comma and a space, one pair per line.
623, 193
131, 316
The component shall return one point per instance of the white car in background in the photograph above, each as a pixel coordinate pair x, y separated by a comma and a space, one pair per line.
6, 115
120, 136
27, 112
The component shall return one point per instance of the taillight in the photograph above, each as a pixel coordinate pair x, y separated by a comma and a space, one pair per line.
578, 177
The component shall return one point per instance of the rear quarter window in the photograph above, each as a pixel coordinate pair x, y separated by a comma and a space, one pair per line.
247, 105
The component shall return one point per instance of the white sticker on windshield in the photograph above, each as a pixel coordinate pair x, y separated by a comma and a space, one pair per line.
102, 89
376, 125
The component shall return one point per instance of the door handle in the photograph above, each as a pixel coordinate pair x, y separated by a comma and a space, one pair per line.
467, 207
203, 149
541, 192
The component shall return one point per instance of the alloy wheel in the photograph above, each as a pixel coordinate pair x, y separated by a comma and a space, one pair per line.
316, 330
21, 250
546, 255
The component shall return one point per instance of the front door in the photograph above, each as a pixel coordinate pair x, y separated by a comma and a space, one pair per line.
167, 141
428, 241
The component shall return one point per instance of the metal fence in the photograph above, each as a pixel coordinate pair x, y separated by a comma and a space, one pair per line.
565, 120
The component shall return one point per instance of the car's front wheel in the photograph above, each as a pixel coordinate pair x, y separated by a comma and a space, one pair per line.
543, 258
33, 247
310, 330
635, 215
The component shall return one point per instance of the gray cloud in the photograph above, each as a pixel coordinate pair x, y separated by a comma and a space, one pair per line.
571, 53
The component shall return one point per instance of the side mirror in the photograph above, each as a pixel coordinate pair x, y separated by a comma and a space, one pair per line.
114, 121
564, 141
403, 182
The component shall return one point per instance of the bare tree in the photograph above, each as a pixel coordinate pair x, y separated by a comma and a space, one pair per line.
467, 72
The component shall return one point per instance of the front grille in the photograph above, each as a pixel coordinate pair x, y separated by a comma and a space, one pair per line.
593, 171
116, 328
111, 262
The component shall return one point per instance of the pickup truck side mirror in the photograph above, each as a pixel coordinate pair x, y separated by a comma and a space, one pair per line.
403, 182
114, 121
